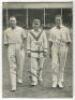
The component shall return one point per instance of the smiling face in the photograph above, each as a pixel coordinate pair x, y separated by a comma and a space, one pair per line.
36, 24
58, 20
12, 22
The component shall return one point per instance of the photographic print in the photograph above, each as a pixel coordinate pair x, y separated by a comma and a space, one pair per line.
37, 49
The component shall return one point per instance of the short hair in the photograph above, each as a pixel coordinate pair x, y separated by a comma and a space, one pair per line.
13, 18
58, 16
35, 21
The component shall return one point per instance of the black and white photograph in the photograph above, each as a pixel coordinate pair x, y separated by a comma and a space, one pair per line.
37, 50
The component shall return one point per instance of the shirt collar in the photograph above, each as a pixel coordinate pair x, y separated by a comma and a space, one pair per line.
61, 26
39, 30
14, 28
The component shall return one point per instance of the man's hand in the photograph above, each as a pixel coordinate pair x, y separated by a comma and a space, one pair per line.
68, 43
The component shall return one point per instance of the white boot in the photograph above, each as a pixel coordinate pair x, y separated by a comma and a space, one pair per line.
20, 81
13, 89
33, 83
60, 85
54, 85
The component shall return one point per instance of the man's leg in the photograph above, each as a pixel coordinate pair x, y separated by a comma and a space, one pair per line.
40, 70
63, 58
21, 61
55, 66
12, 64
34, 69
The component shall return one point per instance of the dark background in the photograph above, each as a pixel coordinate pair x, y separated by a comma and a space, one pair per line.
50, 14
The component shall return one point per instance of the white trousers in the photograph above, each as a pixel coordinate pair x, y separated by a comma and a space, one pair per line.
36, 69
16, 57
59, 57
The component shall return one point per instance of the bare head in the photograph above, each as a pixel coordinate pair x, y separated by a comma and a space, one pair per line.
12, 22
58, 20
36, 24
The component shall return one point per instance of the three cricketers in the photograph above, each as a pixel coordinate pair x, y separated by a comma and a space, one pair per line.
14, 37
59, 41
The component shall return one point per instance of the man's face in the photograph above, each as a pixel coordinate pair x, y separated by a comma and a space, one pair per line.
58, 21
13, 22
36, 25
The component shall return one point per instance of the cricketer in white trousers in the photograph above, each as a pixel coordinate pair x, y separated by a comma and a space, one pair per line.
59, 50
16, 53
37, 46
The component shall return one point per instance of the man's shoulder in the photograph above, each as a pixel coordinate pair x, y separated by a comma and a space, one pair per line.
7, 30
53, 28
20, 28
31, 30
65, 27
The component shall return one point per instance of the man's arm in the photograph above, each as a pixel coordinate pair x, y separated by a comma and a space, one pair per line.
50, 46
5, 42
50, 41
5, 38
68, 37
45, 44
28, 45
24, 37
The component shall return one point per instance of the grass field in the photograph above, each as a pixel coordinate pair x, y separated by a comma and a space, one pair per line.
41, 91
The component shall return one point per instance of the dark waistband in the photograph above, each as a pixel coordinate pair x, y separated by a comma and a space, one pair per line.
37, 51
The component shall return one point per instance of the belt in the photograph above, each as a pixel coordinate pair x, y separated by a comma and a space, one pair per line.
37, 51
